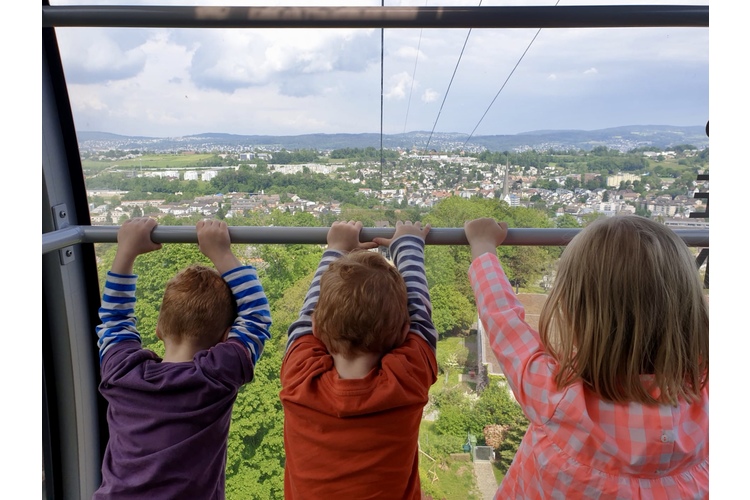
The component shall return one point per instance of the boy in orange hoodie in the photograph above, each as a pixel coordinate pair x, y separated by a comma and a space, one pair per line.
358, 367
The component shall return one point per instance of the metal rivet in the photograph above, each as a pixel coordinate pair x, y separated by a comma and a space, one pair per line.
68, 253
63, 214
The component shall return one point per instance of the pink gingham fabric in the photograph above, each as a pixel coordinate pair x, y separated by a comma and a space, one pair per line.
578, 446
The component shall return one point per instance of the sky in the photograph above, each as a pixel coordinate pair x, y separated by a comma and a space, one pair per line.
174, 82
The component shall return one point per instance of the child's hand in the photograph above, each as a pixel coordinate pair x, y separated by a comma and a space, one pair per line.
485, 235
344, 237
403, 228
214, 242
133, 239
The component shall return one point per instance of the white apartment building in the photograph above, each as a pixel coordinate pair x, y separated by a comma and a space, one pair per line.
208, 175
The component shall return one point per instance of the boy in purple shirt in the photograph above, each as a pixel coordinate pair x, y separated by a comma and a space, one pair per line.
169, 417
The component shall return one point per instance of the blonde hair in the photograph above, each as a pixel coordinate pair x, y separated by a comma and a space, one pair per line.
198, 306
628, 301
362, 306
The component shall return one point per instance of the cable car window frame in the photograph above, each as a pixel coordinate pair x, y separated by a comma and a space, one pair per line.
73, 413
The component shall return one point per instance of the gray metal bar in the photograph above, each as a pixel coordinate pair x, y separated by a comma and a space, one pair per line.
317, 235
62, 238
596, 16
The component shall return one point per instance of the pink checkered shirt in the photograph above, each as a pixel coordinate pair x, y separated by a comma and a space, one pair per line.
577, 445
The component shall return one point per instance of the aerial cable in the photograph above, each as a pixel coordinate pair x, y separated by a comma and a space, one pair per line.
413, 75
449, 84
411, 90
382, 157
505, 82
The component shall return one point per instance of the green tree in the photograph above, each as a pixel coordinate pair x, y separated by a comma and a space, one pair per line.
454, 412
454, 211
451, 311
509, 447
524, 265
284, 264
591, 217
441, 267
496, 406
571, 183
452, 356
255, 453
567, 221
283, 157
459, 414
221, 213
152, 210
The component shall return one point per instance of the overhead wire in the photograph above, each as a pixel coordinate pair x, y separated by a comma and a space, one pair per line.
449, 85
382, 155
413, 76
505, 82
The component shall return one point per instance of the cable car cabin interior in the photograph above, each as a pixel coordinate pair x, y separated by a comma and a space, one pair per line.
74, 427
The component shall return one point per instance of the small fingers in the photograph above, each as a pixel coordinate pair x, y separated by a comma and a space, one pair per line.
147, 222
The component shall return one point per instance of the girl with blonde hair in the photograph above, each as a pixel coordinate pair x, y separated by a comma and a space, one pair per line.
615, 383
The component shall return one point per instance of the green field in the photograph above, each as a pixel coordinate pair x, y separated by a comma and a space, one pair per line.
149, 161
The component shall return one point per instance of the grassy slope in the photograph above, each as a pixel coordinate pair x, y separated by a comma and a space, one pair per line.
149, 161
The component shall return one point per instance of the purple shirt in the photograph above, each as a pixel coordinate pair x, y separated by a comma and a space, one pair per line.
169, 422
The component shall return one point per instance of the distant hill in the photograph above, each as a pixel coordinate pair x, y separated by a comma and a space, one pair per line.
622, 138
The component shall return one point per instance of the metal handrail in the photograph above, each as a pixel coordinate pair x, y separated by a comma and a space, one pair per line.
576, 16
72, 235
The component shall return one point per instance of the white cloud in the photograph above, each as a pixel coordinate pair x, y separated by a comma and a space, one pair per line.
233, 59
182, 81
430, 95
410, 53
101, 55
399, 86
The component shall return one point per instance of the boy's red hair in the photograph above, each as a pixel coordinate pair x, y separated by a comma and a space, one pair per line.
362, 306
198, 306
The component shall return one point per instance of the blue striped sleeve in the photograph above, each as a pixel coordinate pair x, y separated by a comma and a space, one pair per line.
408, 254
117, 313
303, 324
253, 320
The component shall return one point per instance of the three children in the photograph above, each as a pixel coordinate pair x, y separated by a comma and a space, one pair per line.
614, 384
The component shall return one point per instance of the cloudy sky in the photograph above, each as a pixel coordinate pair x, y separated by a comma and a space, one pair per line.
172, 82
